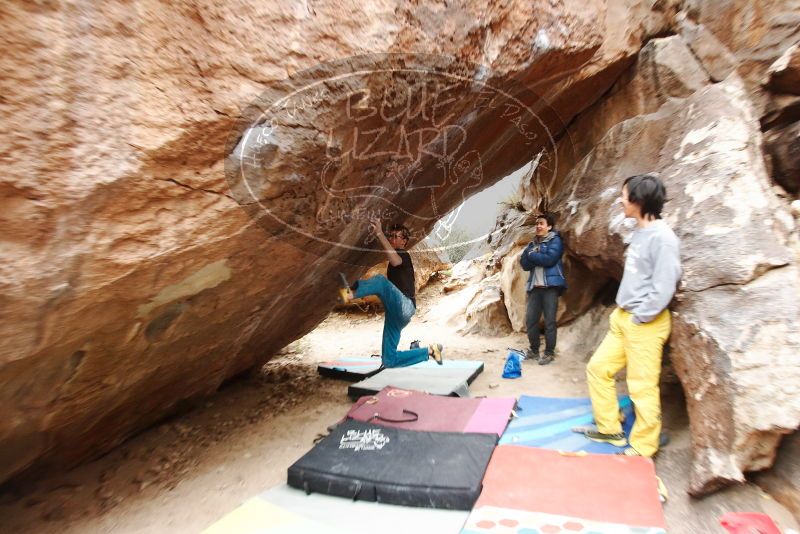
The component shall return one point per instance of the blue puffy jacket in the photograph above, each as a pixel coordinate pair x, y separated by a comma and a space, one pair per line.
551, 248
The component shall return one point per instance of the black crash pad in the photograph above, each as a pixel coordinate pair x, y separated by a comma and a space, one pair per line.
355, 369
404, 467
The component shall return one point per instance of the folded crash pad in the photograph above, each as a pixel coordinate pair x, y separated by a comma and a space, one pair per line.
257, 516
539, 490
389, 465
359, 517
349, 368
360, 368
415, 410
547, 423
449, 380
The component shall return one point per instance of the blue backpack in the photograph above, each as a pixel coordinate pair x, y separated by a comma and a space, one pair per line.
513, 366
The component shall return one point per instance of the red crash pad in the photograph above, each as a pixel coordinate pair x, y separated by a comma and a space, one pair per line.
538, 488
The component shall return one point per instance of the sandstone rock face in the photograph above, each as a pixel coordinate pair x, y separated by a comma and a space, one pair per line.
664, 69
784, 74
581, 337
756, 33
782, 482
781, 120
466, 273
585, 286
453, 306
735, 341
783, 145
486, 314
138, 274
781, 110
512, 283
715, 57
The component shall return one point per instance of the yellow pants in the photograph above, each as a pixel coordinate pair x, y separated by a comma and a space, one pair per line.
639, 347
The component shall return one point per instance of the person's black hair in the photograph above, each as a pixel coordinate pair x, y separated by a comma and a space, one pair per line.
647, 192
401, 228
551, 221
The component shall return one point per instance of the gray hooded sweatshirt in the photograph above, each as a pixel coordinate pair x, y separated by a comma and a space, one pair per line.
652, 271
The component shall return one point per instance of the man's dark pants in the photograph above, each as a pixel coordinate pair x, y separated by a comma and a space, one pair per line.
542, 300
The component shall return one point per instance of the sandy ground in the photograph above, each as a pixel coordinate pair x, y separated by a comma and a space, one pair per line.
189, 471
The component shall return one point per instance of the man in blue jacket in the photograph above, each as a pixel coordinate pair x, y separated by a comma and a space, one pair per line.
546, 282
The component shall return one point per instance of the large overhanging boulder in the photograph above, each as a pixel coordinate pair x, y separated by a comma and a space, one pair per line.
736, 338
135, 277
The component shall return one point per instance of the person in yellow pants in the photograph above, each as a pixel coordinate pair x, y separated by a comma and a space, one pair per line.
639, 326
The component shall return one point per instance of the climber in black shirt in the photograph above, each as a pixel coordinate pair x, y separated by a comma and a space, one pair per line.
397, 293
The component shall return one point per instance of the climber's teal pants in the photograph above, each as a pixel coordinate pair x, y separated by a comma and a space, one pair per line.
398, 310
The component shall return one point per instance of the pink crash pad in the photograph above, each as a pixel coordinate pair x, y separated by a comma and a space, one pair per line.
415, 410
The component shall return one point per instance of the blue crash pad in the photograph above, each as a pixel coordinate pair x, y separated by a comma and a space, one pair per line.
547, 423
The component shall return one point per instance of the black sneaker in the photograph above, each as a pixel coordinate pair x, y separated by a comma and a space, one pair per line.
617, 440
547, 358
530, 355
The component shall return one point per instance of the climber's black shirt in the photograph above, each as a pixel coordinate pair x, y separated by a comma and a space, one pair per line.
402, 276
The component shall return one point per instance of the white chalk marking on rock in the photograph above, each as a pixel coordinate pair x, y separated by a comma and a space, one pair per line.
209, 276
